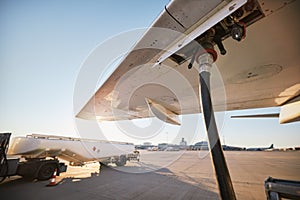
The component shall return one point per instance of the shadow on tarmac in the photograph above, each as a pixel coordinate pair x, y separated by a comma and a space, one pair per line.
109, 184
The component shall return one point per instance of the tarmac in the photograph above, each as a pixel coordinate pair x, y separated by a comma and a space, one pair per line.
161, 175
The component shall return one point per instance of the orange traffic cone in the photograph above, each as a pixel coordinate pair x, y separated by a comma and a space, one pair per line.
53, 179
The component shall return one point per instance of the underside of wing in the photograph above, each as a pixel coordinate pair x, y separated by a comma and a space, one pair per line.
260, 71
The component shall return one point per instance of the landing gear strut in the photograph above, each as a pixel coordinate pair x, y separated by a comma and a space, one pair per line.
205, 59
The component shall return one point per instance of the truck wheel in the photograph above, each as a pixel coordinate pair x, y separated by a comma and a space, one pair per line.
122, 161
46, 171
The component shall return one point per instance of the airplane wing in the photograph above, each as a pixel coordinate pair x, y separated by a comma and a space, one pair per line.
263, 70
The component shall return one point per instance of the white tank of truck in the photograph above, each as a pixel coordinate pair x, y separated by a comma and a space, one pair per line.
75, 150
36, 156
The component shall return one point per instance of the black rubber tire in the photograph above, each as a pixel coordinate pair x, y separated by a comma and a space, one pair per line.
122, 160
46, 171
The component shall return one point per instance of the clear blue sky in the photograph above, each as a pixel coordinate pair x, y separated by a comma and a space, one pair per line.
43, 45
